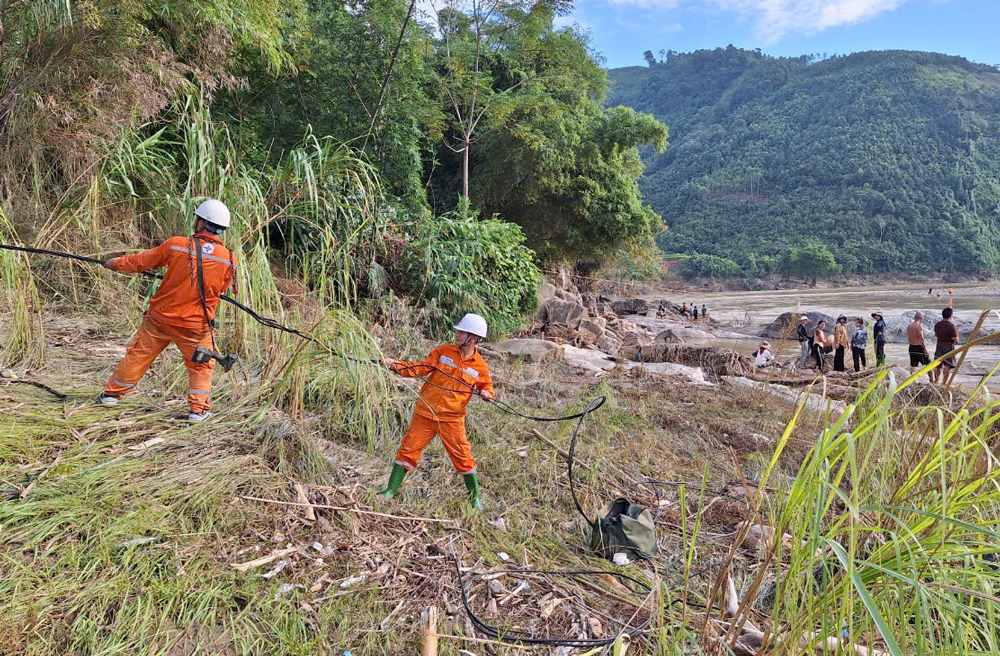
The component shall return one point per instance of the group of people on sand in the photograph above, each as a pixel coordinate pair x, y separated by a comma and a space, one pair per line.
820, 342
691, 312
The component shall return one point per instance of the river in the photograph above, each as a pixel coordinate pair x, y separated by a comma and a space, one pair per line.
750, 312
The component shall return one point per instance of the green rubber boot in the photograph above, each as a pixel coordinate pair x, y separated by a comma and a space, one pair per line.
472, 484
395, 480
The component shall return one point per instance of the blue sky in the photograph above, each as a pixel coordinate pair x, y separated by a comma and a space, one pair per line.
622, 29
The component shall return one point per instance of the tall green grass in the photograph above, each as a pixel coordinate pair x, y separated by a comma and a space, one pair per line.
893, 520
307, 236
24, 334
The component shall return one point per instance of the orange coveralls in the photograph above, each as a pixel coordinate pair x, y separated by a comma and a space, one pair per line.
175, 313
442, 411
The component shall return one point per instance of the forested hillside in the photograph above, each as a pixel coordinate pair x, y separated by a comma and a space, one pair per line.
889, 159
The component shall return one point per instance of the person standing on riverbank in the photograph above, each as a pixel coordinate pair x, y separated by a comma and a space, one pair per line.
918, 348
704, 313
819, 345
805, 341
694, 312
947, 340
841, 343
859, 343
878, 332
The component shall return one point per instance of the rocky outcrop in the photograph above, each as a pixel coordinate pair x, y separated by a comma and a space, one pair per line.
597, 363
557, 310
609, 344
530, 350
789, 395
594, 326
668, 336
628, 306
895, 327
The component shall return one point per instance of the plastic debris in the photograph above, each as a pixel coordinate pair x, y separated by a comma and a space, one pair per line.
621, 559
8, 373
137, 541
285, 588
499, 523
277, 569
351, 580
504, 556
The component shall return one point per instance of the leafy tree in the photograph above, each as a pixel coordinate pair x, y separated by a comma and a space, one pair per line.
569, 179
810, 262
77, 76
483, 65
342, 57
649, 57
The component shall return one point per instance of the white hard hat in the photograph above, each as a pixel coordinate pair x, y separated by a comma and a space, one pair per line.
803, 318
473, 324
214, 211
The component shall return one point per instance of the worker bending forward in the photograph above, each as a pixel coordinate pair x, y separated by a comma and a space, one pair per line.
441, 407
177, 312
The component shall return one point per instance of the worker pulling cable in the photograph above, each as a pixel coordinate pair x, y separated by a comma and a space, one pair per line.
441, 406
199, 269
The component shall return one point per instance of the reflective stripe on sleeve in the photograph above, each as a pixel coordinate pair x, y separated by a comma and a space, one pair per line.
118, 382
198, 391
404, 465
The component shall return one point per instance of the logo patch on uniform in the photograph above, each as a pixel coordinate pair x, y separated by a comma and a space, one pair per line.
444, 359
207, 248
472, 372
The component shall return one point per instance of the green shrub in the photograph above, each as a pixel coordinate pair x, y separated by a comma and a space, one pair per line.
700, 265
463, 264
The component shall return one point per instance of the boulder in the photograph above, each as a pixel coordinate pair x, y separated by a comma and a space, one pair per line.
588, 300
557, 310
546, 290
785, 324
594, 326
568, 295
630, 306
895, 327
668, 336
609, 344
531, 350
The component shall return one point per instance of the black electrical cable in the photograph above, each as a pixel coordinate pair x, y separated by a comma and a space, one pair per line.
513, 636
271, 323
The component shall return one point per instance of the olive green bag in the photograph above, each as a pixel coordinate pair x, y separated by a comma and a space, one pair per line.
623, 526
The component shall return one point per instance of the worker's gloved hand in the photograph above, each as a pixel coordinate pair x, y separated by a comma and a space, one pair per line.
487, 395
110, 264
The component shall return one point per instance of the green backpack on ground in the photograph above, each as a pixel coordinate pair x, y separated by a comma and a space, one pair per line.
623, 526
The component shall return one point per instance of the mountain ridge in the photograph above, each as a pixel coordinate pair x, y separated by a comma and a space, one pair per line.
888, 158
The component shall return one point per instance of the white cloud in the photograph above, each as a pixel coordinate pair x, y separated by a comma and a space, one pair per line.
775, 18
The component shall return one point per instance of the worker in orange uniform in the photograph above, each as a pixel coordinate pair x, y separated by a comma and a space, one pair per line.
441, 407
179, 312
